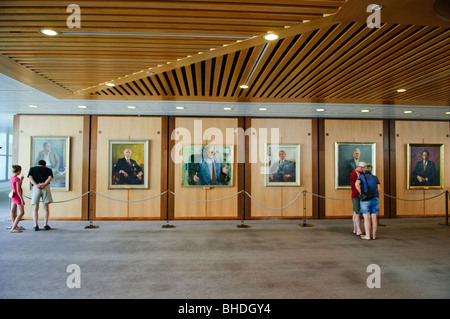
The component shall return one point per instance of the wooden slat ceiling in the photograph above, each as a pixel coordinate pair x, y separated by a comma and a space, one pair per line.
205, 49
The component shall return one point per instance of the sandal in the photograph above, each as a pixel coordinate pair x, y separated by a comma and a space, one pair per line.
15, 231
20, 228
364, 237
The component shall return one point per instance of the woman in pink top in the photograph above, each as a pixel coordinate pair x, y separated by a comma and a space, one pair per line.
17, 199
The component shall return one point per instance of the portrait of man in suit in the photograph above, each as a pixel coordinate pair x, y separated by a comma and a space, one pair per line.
128, 164
347, 157
282, 170
55, 151
425, 172
213, 166
283, 165
424, 165
128, 169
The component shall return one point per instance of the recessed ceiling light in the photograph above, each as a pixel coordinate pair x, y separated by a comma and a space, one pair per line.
32, 105
448, 113
407, 112
365, 111
49, 32
131, 107
110, 84
401, 90
227, 108
320, 110
82, 106
244, 86
271, 36
179, 107
263, 109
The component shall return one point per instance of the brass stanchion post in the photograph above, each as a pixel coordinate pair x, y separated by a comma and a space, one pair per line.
446, 208
167, 225
242, 225
91, 224
304, 211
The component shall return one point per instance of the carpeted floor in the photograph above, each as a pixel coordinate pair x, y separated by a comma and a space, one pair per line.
273, 259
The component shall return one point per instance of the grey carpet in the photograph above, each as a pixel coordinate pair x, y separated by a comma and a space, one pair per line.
274, 259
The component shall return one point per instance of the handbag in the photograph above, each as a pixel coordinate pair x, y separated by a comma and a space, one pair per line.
365, 196
11, 194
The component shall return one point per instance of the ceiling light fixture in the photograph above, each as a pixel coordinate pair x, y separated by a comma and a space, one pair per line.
32, 106
448, 113
131, 107
82, 106
271, 36
407, 112
110, 84
49, 32
244, 86
320, 110
179, 107
365, 111
263, 109
227, 108
401, 90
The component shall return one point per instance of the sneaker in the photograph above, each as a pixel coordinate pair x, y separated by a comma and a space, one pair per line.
46, 227
36, 228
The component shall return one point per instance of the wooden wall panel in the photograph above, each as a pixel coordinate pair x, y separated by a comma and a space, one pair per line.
420, 132
291, 131
128, 128
52, 125
198, 209
355, 131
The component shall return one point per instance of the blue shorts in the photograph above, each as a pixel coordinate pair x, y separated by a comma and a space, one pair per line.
370, 206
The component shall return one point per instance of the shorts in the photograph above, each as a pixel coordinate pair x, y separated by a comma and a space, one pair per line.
45, 194
356, 206
370, 206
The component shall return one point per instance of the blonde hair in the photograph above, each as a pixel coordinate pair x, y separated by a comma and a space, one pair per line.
368, 168
16, 168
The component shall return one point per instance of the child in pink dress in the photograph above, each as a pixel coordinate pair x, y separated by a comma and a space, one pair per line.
17, 199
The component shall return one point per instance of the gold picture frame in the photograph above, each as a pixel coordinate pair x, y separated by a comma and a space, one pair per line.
55, 150
132, 174
286, 174
430, 175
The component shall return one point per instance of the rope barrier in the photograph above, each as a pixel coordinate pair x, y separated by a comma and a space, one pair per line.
231, 196
324, 197
413, 200
129, 201
273, 208
206, 200
63, 201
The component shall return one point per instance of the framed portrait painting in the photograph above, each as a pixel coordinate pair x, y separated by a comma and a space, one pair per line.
55, 151
282, 165
346, 158
207, 165
128, 164
425, 166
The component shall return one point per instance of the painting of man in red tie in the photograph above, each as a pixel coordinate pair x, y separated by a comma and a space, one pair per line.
207, 165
